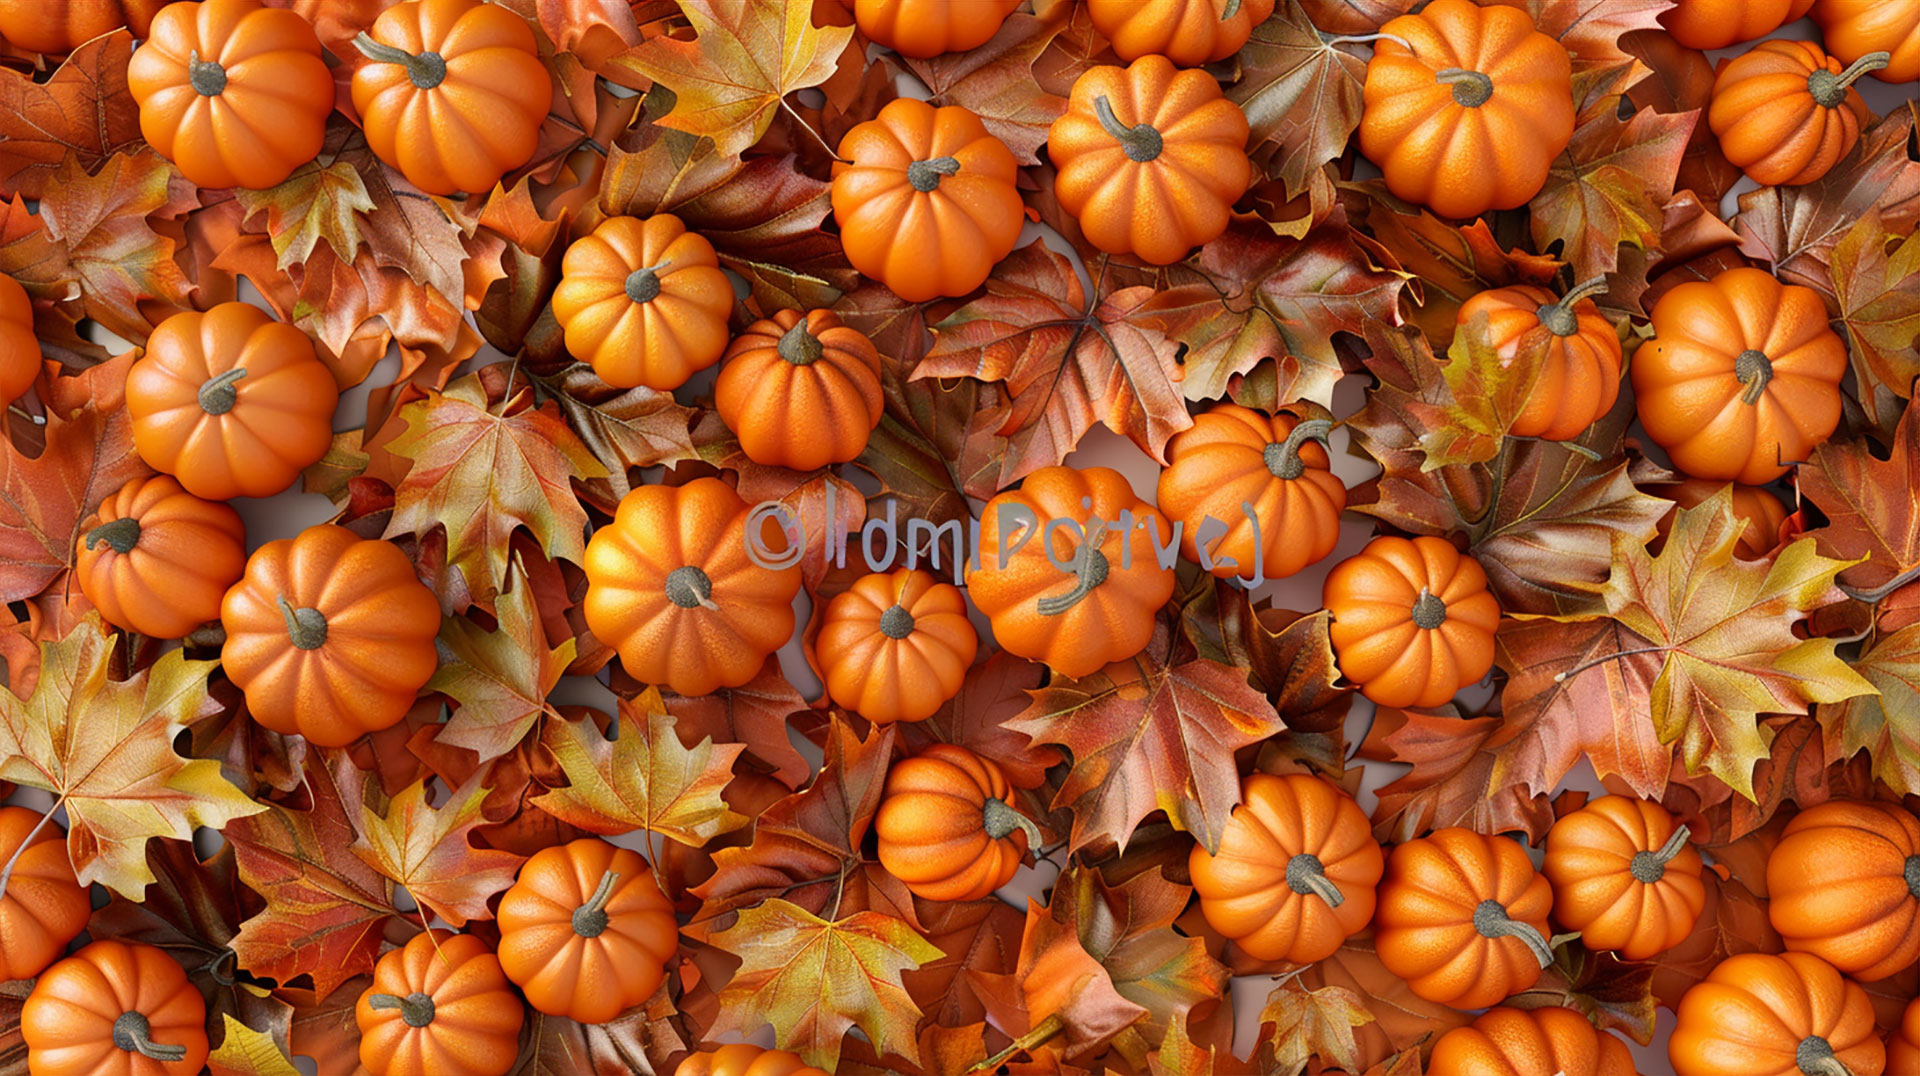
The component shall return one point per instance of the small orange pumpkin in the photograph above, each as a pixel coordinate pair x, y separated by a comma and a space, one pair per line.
1463, 918
43, 905
56, 28
923, 29
1295, 874
1762, 511
800, 390
1844, 885
1537, 1042
1625, 877
1757, 1014
157, 560
19, 347
1903, 1046
1276, 465
673, 588
1785, 112
1188, 32
1413, 622
896, 646
945, 827
114, 1009
741, 1059
1853, 29
1715, 24
439, 1004
1085, 594
1579, 376
644, 302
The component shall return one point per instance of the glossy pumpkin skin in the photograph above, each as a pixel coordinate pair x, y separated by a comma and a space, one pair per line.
1579, 376
800, 390
740, 1059
1463, 918
1741, 378
923, 29
77, 1023
1624, 876
439, 1004
19, 347
1903, 1046
231, 402
1233, 456
1763, 512
1715, 24
1785, 112
1150, 158
330, 635
234, 93
1188, 32
896, 646
946, 828
54, 28
1472, 116
1855, 28
670, 585
44, 906
1844, 884
643, 302
157, 560
1413, 622
1758, 1014
1537, 1042
585, 932
927, 204
463, 120
1097, 610
1296, 871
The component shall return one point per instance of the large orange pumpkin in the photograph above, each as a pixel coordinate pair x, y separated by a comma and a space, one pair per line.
330, 635
1856, 28
1277, 468
1149, 158
926, 28
453, 93
800, 390
439, 1004
1295, 874
925, 199
1084, 594
231, 402
672, 587
1463, 918
741, 1059
1413, 622
1188, 32
585, 931
946, 828
1624, 876
1715, 24
1785, 112
19, 347
1757, 1014
157, 560
1756, 505
114, 1009
1742, 377
41, 26
1903, 1046
1844, 884
896, 646
1538, 1042
1471, 111
644, 302
1579, 377
43, 906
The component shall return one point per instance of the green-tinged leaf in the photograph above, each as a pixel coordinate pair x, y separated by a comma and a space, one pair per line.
1307, 1024
246, 1052
1299, 93
316, 204
499, 678
1886, 725
1879, 295
644, 779
427, 850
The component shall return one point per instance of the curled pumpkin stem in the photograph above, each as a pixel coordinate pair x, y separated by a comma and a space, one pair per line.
643, 284
1283, 459
590, 919
1000, 820
1830, 90
1141, 141
1559, 317
1046, 1029
121, 535
1754, 370
306, 627
133, 1033
1471, 89
925, 175
416, 1009
426, 70
1814, 1056
1650, 867
799, 346
208, 78
1306, 874
1490, 920
1089, 571
217, 394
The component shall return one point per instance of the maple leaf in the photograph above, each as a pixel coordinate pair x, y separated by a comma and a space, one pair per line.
639, 1040
1309, 1023
754, 714
1299, 93
1128, 928
1870, 510
84, 109
114, 253
976, 937
1450, 782
427, 850
1591, 30
1613, 993
995, 689
246, 1052
1402, 1020
625, 429
1486, 395
500, 678
1878, 292
1609, 187
996, 82
644, 779
746, 55
1553, 722
317, 203
1884, 725
813, 980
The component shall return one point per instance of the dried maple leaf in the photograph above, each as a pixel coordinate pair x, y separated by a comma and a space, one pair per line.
1300, 1023
1486, 394
1610, 186
975, 937
1128, 928
1402, 1020
428, 850
1871, 514
996, 689
1451, 779
646, 778
754, 714
1614, 994
1733, 920
1600, 715
624, 429
1681, 79
1590, 30
997, 83
1299, 93
639, 1040
499, 678
84, 109
246, 1052
1878, 291
119, 260
317, 203
1886, 725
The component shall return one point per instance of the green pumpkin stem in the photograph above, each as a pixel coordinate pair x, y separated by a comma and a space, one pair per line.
1000, 819
1283, 459
1471, 89
1231, 9
590, 919
1559, 317
1090, 569
1650, 867
306, 627
1141, 141
1490, 920
643, 284
1306, 874
217, 394
207, 78
132, 1031
121, 535
799, 346
1814, 1056
1429, 611
426, 70
416, 1009
1754, 370
1830, 90
925, 175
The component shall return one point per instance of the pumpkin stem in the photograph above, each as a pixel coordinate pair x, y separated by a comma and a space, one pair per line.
1090, 570
415, 1009
306, 627
1830, 90
121, 535
1650, 867
896, 623
1754, 370
1490, 920
1366, 39
590, 919
1231, 9
1001, 819
1559, 317
217, 394
643, 284
1874, 595
1306, 874
1429, 612
13, 860
427, 70
1283, 459
130, 1033
926, 175
688, 587
1053, 1025
1815, 1057
798, 346
1471, 89
1913, 875
1141, 141
208, 78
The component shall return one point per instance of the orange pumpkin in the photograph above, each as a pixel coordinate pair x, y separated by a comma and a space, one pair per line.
114, 1009
896, 646
1758, 1014
800, 390
1844, 884
585, 932
1295, 874
1715, 24
1785, 112
1470, 112
1412, 620
673, 588
644, 302
926, 201
234, 93
1762, 511
1625, 877
1579, 377
1188, 32
1538, 1042
43, 906
945, 827
453, 93
926, 28
1085, 594
1903, 1046
19, 347
439, 1004
157, 560
740, 1059
1463, 918
1853, 29
231, 402
40, 26
1742, 376
1149, 158
1277, 466
330, 635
